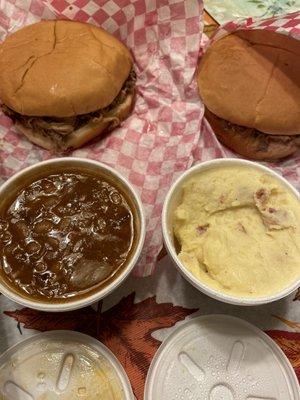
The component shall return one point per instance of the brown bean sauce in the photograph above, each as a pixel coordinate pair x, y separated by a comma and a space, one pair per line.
64, 235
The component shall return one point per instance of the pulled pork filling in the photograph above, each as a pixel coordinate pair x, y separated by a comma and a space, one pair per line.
265, 138
59, 127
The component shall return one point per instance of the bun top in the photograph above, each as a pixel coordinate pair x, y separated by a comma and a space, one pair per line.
61, 69
251, 78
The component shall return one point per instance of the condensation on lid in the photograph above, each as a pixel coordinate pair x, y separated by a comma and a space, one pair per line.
218, 357
62, 365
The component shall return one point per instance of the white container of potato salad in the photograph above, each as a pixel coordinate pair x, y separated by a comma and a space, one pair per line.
175, 197
62, 365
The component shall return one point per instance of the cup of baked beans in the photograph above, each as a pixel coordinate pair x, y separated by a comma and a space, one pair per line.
71, 231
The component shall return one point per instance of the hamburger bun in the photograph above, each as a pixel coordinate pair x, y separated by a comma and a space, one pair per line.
251, 78
61, 69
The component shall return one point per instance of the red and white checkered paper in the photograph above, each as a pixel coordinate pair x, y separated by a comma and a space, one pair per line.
287, 25
158, 140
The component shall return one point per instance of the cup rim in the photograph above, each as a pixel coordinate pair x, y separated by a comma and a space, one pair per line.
98, 295
204, 288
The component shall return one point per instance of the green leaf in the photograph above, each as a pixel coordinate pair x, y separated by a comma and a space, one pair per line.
255, 1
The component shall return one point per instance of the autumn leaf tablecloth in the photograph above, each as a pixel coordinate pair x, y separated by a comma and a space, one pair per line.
138, 316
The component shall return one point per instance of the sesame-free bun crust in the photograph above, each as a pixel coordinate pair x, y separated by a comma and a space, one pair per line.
251, 78
61, 69
84, 134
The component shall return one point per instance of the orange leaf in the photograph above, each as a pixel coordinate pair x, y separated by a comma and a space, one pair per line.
289, 342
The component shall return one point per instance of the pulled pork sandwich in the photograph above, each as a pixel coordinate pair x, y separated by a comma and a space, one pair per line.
63, 83
250, 84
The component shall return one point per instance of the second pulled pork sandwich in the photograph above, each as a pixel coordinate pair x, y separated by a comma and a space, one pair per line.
249, 82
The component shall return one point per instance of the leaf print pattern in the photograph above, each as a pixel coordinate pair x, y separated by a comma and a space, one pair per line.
273, 7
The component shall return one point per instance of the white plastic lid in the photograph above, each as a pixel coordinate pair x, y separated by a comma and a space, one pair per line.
219, 357
62, 365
